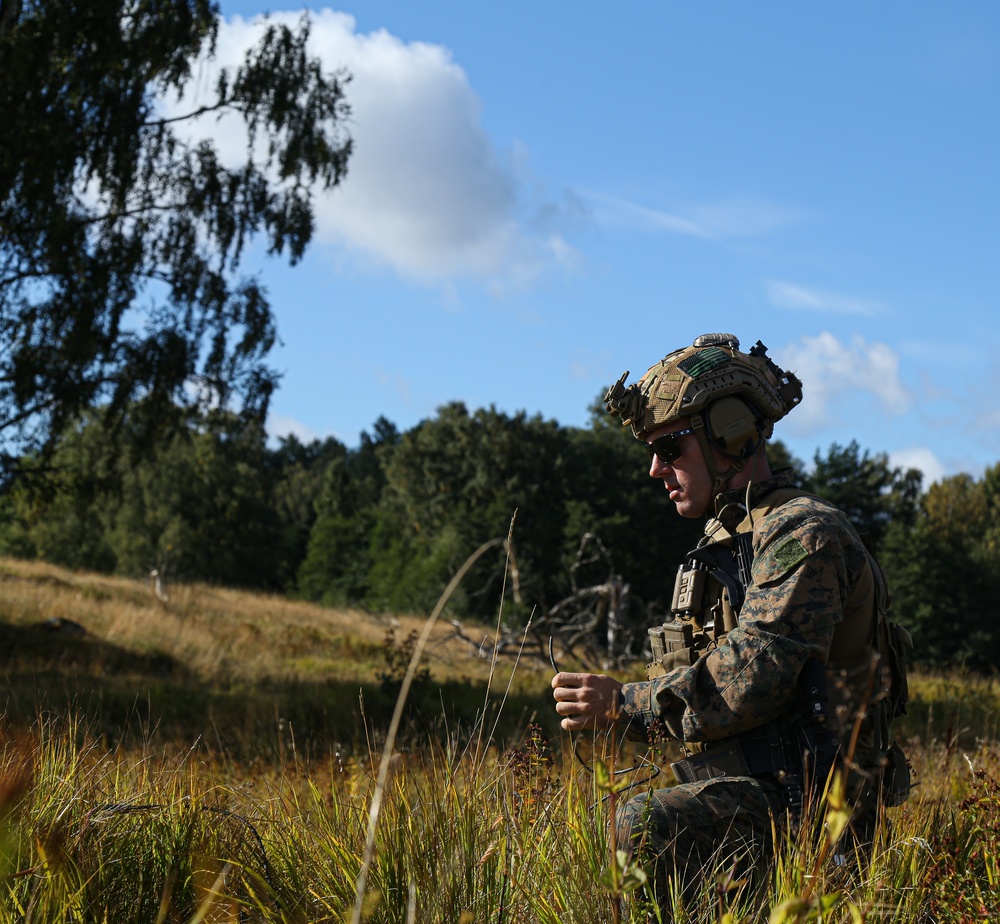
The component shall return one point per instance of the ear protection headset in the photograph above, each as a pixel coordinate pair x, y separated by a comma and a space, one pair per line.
733, 427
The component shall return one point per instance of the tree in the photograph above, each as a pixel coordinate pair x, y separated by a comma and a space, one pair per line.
780, 457
298, 473
944, 572
62, 519
210, 502
613, 498
120, 241
198, 505
200, 508
957, 509
943, 595
866, 488
335, 565
991, 535
453, 482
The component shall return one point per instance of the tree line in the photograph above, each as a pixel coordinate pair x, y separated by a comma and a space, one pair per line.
384, 525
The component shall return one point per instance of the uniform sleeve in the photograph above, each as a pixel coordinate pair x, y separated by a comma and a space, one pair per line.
804, 568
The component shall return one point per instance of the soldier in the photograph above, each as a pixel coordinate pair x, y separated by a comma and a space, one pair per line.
778, 661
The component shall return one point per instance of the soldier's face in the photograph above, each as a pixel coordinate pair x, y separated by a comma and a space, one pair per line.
686, 478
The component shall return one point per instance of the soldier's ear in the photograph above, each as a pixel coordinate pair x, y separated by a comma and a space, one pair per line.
733, 427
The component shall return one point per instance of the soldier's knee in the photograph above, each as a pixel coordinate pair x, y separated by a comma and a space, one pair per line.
632, 820
651, 821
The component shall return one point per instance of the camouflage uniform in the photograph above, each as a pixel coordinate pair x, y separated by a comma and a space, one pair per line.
779, 660
812, 595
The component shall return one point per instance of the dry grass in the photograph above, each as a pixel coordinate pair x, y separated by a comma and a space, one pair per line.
519, 835
252, 673
226, 636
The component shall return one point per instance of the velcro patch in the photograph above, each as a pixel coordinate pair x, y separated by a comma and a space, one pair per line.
787, 555
703, 361
667, 385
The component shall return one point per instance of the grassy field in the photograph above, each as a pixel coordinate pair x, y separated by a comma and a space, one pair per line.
247, 675
221, 757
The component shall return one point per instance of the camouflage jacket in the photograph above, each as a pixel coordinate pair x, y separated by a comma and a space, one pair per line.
808, 561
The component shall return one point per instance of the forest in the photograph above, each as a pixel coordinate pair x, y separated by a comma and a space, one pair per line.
384, 525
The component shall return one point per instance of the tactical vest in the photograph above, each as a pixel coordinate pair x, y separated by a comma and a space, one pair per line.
865, 672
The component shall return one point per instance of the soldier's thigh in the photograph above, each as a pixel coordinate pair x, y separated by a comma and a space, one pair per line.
699, 823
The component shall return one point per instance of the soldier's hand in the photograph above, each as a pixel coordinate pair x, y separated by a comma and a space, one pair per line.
586, 700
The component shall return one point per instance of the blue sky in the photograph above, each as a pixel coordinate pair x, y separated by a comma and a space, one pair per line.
544, 195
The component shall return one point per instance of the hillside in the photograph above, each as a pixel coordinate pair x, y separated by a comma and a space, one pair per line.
241, 670
249, 672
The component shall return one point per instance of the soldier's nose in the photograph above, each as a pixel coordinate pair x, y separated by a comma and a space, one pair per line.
657, 467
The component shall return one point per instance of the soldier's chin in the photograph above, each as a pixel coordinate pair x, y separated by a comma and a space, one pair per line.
686, 508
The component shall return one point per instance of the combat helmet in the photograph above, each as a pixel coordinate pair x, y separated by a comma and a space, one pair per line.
731, 398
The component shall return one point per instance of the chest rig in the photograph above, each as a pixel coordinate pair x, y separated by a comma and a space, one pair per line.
710, 586
709, 592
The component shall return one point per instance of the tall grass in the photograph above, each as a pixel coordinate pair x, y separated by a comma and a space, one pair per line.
521, 836
469, 829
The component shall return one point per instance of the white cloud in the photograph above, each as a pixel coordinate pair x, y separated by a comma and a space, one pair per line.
837, 375
799, 298
714, 221
280, 425
427, 193
920, 458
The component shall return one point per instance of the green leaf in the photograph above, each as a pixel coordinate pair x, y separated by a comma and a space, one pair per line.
602, 776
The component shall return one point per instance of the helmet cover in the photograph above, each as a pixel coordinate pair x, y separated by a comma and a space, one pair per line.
688, 380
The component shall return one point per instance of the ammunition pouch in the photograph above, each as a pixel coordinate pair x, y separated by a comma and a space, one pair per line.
678, 643
672, 645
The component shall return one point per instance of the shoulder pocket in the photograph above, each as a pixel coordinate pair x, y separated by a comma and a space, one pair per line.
778, 560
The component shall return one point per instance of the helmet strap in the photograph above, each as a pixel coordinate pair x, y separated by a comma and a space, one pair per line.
719, 479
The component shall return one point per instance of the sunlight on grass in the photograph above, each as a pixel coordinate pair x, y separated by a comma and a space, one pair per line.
521, 836
473, 826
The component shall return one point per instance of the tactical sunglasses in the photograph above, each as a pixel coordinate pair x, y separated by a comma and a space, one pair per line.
668, 447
